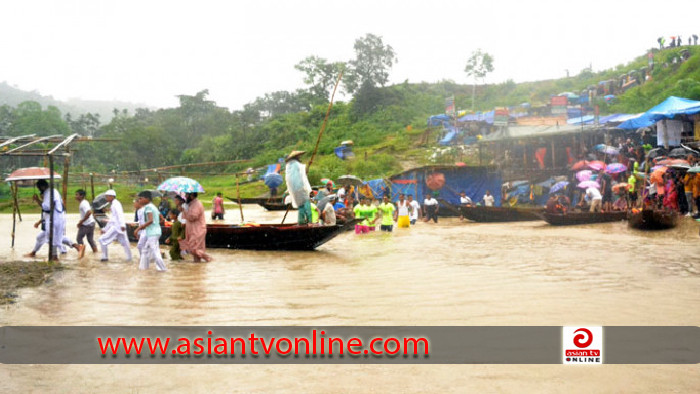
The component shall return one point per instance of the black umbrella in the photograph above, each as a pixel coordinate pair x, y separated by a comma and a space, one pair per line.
678, 153
656, 153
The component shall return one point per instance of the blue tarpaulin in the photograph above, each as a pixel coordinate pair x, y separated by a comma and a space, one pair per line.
478, 117
438, 120
344, 152
448, 137
671, 107
474, 181
378, 187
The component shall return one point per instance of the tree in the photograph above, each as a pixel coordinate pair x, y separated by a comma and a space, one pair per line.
320, 75
478, 65
371, 65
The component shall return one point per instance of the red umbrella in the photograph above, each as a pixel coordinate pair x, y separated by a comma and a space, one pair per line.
31, 174
580, 165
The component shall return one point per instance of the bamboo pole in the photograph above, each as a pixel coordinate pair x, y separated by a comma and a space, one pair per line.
92, 185
325, 120
52, 252
66, 166
13, 188
238, 195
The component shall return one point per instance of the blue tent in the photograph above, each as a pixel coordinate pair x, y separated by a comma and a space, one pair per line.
438, 120
671, 107
474, 181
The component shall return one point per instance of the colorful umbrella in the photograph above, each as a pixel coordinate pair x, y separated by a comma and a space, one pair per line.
181, 185
596, 165
608, 150
580, 165
558, 186
615, 168
325, 181
583, 175
587, 184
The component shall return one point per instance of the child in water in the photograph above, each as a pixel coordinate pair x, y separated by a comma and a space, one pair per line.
177, 231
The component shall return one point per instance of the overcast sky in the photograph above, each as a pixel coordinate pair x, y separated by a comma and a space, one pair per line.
150, 51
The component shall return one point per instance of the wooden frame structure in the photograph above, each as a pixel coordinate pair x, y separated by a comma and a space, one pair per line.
25, 146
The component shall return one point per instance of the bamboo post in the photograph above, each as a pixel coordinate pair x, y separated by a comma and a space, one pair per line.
16, 201
92, 185
52, 252
66, 166
13, 188
238, 195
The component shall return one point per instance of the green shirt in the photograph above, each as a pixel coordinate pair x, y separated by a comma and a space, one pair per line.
153, 229
387, 213
314, 213
370, 214
632, 180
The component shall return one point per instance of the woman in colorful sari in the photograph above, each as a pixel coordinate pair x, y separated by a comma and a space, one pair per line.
195, 230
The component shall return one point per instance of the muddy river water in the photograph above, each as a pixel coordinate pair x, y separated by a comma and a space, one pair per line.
452, 273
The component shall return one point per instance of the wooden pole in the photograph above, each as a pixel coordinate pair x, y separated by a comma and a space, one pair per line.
325, 121
52, 257
66, 166
13, 188
92, 185
238, 195
16, 201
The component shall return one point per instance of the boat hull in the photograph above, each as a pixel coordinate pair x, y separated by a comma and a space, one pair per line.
575, 218
500, 214
262, 237
653, 219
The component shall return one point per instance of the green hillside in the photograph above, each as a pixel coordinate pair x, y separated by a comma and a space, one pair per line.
387, 124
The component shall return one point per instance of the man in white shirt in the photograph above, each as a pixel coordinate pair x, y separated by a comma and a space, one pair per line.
86, 224
414, 209
488, 199
59, 220
328, 213
593, 195
430, 208
115, 228
464, 201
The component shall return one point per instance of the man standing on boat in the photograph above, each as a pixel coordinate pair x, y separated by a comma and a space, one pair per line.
298, 186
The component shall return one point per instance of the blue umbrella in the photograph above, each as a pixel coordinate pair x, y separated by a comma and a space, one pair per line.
273, 180
558, 186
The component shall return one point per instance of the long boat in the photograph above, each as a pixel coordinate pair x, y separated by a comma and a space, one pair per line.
276, 206
501, 214
263, 236
573, 218
653, 219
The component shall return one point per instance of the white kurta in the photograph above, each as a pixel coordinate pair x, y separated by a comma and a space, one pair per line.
113, 231
59, 218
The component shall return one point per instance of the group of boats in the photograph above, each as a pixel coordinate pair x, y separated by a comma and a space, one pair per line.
644, 219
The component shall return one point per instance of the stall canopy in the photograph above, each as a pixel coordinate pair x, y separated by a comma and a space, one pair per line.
668, 109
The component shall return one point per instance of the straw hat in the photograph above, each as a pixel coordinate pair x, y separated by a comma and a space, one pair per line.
295, 155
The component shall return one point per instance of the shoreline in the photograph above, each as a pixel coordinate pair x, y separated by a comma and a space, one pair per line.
16, 275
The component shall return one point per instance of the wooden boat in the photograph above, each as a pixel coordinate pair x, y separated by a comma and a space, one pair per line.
573, 218
263, 236
501, 214
276, 206
653, 219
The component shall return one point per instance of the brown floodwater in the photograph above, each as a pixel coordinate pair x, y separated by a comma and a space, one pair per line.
452, 273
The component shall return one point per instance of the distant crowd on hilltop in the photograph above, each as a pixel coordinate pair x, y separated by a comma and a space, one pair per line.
677, 41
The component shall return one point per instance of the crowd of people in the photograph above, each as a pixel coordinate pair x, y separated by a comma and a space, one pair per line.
186, 220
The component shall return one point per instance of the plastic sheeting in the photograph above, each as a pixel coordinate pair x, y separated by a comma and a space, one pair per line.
474, 181
297, 183
671, 107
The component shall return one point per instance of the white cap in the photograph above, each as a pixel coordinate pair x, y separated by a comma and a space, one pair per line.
111, 192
